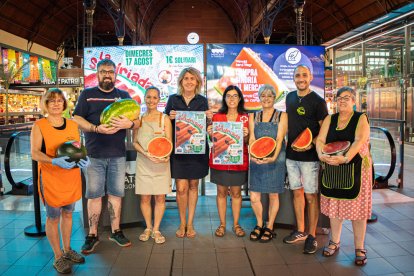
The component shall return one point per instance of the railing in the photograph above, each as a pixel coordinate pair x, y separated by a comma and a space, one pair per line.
386, 135
18, 162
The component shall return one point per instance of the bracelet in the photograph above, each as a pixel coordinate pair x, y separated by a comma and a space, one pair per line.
96, 129
133, 124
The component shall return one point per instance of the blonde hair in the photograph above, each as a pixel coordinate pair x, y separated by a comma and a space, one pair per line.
50, 94
193, 72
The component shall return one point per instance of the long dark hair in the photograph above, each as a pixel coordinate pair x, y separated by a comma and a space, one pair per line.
240, 107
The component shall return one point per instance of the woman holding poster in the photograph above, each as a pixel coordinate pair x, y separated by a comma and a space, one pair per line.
153, 175
187, 169
267, 175
225, 175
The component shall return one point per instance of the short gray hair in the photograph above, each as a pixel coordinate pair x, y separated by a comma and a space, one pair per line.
266, 87
345, 89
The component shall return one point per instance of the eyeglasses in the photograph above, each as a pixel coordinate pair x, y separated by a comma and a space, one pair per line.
235, 96
344, 99
56, 101
105, 72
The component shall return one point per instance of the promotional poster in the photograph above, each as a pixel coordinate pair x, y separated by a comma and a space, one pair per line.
139, 67
190, 132
227, 143
34, 70
250, 66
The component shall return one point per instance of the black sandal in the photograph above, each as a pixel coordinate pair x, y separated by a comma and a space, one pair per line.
361, 260
254, 235
267, 235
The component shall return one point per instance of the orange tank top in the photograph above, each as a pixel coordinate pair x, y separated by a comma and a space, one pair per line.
60, 186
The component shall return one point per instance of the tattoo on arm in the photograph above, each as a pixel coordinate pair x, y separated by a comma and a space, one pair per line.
93, 220
111, 211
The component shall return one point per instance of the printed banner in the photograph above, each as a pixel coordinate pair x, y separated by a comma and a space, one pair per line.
139, 67
249, 66
36, 70
190, 132
227, 143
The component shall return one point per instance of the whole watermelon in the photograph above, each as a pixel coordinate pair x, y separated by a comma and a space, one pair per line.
74, 149
127, 107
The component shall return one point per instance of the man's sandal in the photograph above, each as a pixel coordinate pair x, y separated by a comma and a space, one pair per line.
361, 260
267, 235
256, 234
220, 231
239, 231
158, 237
145, 235
331, 249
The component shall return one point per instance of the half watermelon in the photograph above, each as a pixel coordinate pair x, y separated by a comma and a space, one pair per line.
160, 147
336, 148
303, 140
262, 147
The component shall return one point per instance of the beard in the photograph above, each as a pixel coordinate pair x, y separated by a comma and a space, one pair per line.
106, 85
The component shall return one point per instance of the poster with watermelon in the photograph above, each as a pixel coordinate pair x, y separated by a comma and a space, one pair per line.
190, 132
227, 143
139, 67
250, 66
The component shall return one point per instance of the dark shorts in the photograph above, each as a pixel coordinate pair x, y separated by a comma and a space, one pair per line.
228, 178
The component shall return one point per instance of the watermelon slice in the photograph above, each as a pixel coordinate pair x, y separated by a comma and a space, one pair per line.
336, 148
262, 147
160, 147
303, 140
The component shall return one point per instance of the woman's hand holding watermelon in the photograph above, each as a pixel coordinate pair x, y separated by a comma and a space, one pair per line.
156, 159
61, 162
84, 163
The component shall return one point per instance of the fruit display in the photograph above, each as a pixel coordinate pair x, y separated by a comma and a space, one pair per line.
262, 147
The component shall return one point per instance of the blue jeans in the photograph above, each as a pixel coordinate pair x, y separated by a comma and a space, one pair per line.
303, 175
54, 212
106, 175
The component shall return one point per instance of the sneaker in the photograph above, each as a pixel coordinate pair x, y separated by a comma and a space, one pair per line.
73, 256
91, 241
62, 265
311, 245
295, 236
119, 238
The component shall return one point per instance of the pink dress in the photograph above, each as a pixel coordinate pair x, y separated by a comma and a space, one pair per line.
359, 208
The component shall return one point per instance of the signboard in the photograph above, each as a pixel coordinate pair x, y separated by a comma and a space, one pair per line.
250, 66
190, 132
37, 71
70, 81
139, 67
227, 143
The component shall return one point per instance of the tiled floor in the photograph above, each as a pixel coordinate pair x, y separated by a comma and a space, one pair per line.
390, 244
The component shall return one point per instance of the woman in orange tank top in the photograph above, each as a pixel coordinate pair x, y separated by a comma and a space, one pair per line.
60, 183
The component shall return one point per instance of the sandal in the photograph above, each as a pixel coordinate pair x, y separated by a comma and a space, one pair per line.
220, 231
256, 234
239, 231
145, 235
158, 237
330, 251
191, 233
267, 235
361, 260
180, 233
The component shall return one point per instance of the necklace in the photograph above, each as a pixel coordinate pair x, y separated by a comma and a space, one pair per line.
232, 117
300, 98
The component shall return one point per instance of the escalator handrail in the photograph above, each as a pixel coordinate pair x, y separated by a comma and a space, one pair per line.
382, 178
7, 158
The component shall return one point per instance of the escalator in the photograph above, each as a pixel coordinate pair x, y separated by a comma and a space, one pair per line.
18, 164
